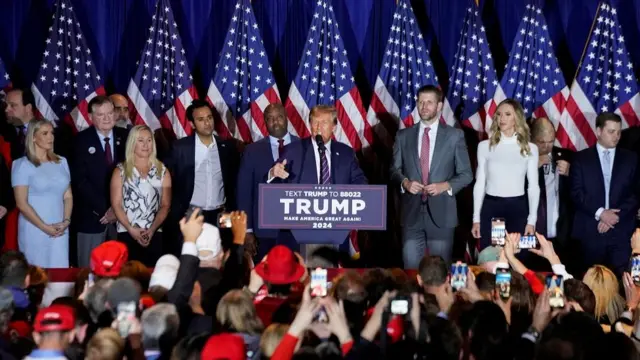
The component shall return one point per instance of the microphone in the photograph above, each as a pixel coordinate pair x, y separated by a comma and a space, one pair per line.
320, 143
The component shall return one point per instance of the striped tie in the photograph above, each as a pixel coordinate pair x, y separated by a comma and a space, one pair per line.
325, 177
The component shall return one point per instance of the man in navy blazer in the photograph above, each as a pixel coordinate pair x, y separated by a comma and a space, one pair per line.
309, 162
256, 161
603, 189
98, 149
205, 167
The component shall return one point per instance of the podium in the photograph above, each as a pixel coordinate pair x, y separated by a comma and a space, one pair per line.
322, 214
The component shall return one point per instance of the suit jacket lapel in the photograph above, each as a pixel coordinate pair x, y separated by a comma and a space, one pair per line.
119, 146
615, 169
190, 166
335, 163
97, 144
598, 169
441, 141
413, 147
310, 158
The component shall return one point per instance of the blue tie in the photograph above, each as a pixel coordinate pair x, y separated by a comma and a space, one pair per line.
325, 177
606, 172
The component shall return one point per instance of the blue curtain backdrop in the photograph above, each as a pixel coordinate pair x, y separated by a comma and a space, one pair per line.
116, 29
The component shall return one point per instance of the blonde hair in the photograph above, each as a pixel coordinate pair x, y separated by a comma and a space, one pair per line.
271, 338
605, 287
236, 312
129, 162
522, 129
106, 344
34, 126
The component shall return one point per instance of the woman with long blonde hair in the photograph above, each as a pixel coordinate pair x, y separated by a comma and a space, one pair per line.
41, 185
141, 197
505, 160
605, 286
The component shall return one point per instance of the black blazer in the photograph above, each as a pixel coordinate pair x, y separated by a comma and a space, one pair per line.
181, 164
62, 142
91, 177
6, 191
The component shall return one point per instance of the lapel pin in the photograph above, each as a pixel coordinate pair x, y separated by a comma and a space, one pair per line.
92, 150
337, 153
117, 142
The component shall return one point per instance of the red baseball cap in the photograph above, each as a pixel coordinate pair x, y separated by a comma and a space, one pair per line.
108, 258
55, 318
224, 346
280, 266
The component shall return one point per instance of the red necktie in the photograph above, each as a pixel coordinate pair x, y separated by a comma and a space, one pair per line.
107, 151
280, 147
424, 159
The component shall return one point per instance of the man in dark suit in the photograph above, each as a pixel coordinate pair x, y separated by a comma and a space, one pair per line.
430, 166
555, 213
256, 161
630, 139
603, 189
20, 110
7, 202
206, 168
309, 161
98, 149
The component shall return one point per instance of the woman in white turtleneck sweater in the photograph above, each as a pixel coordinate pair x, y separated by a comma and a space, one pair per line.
504, 161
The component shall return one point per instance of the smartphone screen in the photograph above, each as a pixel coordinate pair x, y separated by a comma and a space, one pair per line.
634, 268
224, 221
459, 275
555, 286
528, 242
503, 283
399, 306
318, 283
190, 211
498, 232
126, 312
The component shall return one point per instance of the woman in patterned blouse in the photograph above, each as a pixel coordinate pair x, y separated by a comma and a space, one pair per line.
141, 197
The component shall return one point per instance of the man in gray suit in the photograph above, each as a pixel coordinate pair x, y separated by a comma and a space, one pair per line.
431, 165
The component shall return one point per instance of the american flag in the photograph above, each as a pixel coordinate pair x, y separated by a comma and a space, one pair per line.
67, 79
406, 66
162, 87
5, 81
243, 85
605, 82
474, 90
324, 77
532, 75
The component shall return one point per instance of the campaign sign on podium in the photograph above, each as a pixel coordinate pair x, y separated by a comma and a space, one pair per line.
322, 214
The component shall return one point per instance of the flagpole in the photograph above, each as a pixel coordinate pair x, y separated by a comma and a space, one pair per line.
586, 45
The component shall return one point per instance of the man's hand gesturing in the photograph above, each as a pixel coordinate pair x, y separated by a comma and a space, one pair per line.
278, 170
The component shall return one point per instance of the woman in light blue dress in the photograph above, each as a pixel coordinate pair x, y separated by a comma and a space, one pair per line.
42, 190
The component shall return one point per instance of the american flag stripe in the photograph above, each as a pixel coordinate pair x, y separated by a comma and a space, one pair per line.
67, 79
162, 86
243, 84
605, 82
296, 113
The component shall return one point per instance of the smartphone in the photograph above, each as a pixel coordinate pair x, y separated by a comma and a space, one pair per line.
555, 286
498, 232
319, 283
224, 221
503, 282
528, 242
399, 306
90, 280
125, 314
459, 272
634, 268
190, 211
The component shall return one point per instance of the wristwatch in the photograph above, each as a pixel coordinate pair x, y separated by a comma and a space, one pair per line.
532, 334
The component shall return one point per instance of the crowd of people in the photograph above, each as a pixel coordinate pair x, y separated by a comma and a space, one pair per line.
164, 277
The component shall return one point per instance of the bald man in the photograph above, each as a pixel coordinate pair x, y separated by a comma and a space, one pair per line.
121, 107
554, 213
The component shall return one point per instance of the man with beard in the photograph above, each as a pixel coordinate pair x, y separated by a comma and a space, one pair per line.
430, 165
257, 159
121, 109
206, 167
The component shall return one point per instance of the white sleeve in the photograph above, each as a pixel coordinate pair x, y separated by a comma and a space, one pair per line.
481, 180
533, 190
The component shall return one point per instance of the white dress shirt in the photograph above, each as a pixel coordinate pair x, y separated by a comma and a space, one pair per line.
501, 172
111, 141
612, 154
208, 187
552, 183
274, 145
317, 156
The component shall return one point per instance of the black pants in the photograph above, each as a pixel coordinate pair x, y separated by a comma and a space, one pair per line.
147, 255
514, 211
